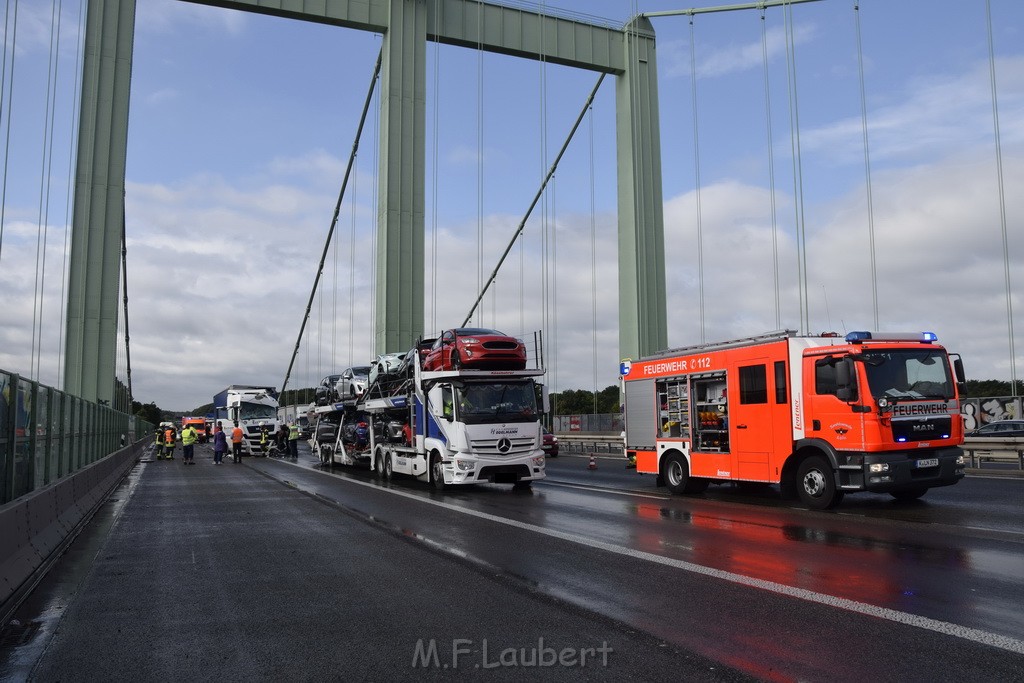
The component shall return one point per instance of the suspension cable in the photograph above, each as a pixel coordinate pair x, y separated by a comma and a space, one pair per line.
593, 254
375, 222
352, 270
42, 229
553, 280
1002, 199
7, 100
434, 178
794, 136
71, 191
124, 287
536, 198
320, 328
334, 293
640, 216
545, 314
771, 170
480, 151
867, 166
334, 219
696, 175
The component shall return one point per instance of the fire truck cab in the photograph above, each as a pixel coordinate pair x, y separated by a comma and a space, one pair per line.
821, 416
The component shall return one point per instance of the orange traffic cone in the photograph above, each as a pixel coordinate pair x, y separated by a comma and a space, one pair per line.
593, 463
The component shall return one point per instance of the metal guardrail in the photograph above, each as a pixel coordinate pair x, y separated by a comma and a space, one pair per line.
585, 444
980, 449
977, 449
46, 434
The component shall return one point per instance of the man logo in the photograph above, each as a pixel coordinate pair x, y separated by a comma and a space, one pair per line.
504, 445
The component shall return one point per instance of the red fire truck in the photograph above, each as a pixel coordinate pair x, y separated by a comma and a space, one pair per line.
821, 416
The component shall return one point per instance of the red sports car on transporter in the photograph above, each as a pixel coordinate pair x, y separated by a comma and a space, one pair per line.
475, 348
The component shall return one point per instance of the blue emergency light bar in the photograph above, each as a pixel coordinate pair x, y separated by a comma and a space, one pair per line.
923, 337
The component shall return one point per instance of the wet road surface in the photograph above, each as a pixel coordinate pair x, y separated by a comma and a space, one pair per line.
749, 584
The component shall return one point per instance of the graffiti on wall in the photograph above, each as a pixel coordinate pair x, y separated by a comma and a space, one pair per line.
981, 411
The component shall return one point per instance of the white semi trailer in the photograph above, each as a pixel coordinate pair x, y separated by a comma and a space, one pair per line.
250, 407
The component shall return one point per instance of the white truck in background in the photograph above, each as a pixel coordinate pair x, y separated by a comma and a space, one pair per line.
299, 414
250, 407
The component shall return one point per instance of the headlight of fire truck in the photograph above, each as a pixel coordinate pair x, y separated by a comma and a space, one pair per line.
876, 467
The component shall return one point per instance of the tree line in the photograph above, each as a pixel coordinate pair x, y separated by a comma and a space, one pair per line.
568, 402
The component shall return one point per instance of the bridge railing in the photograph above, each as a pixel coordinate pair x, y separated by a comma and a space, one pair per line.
60, 457
46, 434
981, 449
978, 450
585, 444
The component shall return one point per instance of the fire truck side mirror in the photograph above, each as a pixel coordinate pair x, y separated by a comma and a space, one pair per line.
844, 375
958, 368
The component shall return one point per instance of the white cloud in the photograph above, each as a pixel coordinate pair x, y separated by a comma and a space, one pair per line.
938, 255
732, 58
936, 116
161, 96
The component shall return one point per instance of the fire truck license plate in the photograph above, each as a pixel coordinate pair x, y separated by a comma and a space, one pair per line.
928, 462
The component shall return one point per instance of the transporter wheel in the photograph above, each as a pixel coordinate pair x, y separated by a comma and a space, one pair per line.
456, 361
436, 471
910, 494
816, 485
676, 473
388, 472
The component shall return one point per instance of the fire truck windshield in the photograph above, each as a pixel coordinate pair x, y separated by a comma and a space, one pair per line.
908, 374
503, 401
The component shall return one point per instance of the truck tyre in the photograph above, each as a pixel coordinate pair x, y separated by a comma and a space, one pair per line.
436, 471
910, 494
378, 464
676, 473
388, 471
816, 484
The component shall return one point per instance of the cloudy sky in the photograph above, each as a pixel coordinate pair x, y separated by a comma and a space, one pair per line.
241, 126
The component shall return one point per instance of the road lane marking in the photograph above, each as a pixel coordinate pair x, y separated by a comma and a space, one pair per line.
935, 625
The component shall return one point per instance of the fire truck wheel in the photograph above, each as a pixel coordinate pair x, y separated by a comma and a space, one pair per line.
816, 485
436, 471
676, 473
912, 494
